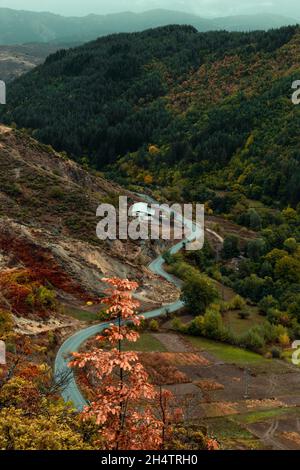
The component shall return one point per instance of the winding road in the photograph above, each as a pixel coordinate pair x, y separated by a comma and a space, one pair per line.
72, 344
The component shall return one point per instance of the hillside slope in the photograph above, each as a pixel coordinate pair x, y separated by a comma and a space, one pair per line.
48, 232
16, 60
216, 108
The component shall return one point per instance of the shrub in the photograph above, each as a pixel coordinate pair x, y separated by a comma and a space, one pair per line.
267, 303
42, 298
253, 340
176, 324
237, 303
195, 327
224, 307
11, 189
274, 315
284, 340
212, 324
56, 193
154, 325
244, 314
291, 245
276, 353
255, 249
230, 247
6, 322
102, 315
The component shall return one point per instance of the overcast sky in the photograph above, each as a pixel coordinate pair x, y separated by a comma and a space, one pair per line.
201, 7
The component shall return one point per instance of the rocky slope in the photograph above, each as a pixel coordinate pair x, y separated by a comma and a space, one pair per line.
19, 59
47, 233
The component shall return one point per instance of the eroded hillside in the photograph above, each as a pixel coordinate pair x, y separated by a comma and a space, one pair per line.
49, 252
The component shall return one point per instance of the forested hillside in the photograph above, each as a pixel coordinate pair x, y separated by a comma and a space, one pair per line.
214, 107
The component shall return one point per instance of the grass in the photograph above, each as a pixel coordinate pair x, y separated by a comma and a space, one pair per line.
80, 314
261, 416
146, 343
287, 355
231, 434
239, 326
227, 353
231, 317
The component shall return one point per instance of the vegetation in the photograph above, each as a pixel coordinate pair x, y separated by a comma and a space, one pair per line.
124, 399
192, 117
198, 292
146, 343
201, 100
225, 352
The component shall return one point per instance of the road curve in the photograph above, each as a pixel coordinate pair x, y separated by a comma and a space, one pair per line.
72, 344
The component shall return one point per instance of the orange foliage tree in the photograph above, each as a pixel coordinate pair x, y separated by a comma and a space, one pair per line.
132, 414
124, 395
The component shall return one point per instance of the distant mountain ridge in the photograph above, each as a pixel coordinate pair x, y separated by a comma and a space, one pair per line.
19, 27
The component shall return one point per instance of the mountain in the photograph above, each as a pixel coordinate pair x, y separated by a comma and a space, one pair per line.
52, 32
252, 22
216, 108
23, 26
18, 27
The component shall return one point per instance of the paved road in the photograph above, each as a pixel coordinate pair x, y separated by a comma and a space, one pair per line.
72, 344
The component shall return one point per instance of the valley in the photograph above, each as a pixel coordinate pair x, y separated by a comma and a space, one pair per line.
192, 349
221, 387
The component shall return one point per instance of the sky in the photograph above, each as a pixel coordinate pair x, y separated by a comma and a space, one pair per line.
205, 8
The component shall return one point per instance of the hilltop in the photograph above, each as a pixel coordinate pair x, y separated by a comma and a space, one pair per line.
214, 109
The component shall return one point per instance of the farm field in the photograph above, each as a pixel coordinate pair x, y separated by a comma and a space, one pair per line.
243, 399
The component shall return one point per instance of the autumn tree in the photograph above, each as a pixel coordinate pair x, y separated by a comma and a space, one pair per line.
124, 395
132, 414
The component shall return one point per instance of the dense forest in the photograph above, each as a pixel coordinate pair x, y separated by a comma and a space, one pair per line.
174, 107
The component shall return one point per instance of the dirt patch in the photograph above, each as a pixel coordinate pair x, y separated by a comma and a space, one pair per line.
161, 370
279, 433
4, 129
293, 438
33, 327
172, 342
221, 409
209, 385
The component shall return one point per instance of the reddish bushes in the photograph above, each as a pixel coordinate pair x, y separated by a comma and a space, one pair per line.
31, 289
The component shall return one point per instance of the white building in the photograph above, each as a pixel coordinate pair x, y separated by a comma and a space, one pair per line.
142, 211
